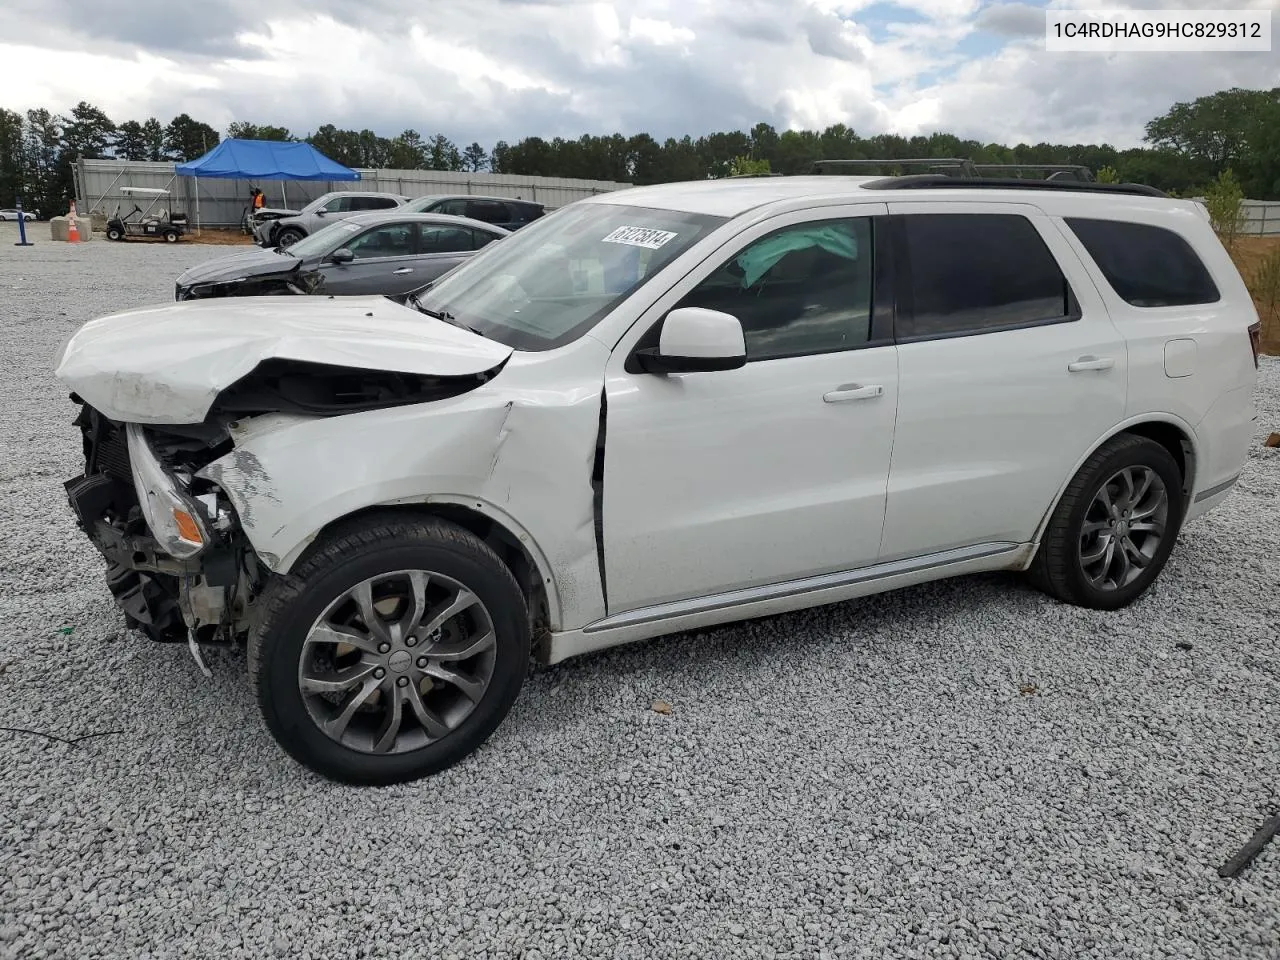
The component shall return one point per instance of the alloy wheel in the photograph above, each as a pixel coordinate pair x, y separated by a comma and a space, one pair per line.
397, 662
1123, 528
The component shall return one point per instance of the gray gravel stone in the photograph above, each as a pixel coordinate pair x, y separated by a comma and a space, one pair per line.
864, 780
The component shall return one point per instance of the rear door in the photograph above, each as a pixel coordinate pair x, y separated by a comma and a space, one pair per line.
1011, 370
440, 249
490, 211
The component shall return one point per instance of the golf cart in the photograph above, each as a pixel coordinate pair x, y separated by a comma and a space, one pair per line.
163, 223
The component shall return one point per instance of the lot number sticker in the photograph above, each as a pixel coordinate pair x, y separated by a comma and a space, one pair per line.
645, 237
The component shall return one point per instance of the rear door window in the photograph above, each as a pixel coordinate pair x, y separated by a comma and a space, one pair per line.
372, 203
1146, 266
490, 211
438, 239
971, 273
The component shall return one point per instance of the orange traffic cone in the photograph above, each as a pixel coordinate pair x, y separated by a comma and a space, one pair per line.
73, 235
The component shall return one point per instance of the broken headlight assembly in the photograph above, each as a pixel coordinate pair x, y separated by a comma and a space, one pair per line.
173, 516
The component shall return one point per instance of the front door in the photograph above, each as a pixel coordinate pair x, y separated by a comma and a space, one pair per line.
385, 263
774, 471
1011, 371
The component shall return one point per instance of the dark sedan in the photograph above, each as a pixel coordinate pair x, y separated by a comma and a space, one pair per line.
390, 253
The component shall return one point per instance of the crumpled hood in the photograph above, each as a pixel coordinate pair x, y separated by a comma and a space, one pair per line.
248, 263
167, 364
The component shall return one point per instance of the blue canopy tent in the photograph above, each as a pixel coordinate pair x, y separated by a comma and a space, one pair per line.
263, 160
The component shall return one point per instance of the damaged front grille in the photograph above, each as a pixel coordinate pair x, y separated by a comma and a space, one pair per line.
146, 582
109, 452
105, 490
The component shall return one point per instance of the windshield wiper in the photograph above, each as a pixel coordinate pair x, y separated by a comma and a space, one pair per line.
446, 316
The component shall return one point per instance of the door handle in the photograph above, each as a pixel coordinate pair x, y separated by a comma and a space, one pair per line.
403, 270
853, 391
1090, 363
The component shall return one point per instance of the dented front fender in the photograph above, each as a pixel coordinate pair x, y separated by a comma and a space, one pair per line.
519, 449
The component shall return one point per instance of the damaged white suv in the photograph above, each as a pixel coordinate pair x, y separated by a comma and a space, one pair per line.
652, 411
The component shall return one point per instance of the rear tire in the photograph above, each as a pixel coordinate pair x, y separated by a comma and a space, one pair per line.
413, 694
171, 236
1114, 528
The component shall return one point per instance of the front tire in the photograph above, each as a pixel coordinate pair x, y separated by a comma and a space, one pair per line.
115, 233
1115, 526
288, 237
392, 650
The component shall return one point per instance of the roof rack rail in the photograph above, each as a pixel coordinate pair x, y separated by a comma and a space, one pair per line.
965, 167
746, 176
1073, 171
936, 181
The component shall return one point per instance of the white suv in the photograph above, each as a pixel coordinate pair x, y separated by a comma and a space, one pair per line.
272, 230
652, 411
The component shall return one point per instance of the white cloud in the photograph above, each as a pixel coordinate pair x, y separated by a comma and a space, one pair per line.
662, 32
491, 69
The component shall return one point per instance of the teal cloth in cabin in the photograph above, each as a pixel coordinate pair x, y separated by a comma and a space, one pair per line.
760, 257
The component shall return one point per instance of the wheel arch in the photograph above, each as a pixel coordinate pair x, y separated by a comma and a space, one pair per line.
513, 544
1171, 432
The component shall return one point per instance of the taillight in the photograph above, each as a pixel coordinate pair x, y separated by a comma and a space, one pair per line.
1255, 340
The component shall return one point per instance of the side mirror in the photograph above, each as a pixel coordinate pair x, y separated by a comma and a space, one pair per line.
321, 212
341, 255
696, 340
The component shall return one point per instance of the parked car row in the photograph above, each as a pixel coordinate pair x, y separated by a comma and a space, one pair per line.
391, 253
278, 227
652, 411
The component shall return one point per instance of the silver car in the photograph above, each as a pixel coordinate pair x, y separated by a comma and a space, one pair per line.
272, 231
391, 253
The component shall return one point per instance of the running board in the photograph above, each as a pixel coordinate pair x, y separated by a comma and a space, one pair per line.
749, 602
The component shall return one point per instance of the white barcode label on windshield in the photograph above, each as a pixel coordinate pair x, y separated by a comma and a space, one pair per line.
645, 237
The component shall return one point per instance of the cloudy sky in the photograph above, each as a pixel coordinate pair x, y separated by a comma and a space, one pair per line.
505, 69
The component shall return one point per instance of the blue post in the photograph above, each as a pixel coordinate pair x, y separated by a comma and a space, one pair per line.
22, 228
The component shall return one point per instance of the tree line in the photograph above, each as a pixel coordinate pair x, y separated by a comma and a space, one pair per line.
1186, 149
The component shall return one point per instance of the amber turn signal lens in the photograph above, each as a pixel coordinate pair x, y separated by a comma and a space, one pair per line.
188, 529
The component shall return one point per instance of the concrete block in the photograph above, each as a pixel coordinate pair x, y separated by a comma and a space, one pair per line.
59, 228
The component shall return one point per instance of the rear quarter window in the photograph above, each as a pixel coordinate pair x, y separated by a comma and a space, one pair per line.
1147, 266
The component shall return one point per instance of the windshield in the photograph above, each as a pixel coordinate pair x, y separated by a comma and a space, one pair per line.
550, 282
323, 241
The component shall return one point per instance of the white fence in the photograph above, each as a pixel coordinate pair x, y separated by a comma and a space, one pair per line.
1261, 218
222, 203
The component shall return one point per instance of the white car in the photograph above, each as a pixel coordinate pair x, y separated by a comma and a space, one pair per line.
652, 411
11, 213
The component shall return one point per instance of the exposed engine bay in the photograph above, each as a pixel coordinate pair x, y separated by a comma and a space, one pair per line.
164, 596
180, 565
292, 282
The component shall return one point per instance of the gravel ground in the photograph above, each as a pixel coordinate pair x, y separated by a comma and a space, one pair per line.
964, 769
